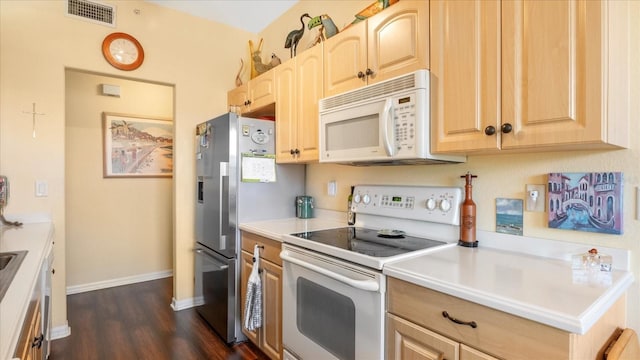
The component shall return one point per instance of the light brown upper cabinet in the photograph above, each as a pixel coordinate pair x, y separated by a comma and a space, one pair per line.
391, 43
298, 88
253, 96
529, 74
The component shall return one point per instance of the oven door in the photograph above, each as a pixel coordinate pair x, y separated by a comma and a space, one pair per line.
332, 309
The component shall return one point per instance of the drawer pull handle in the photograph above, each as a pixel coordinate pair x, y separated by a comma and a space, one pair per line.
470, 323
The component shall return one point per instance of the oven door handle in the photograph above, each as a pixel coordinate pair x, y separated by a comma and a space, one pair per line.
367, 285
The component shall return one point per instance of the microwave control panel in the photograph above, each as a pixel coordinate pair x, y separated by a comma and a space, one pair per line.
404, 116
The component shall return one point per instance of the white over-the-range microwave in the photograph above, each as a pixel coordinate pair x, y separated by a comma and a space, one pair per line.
386, 123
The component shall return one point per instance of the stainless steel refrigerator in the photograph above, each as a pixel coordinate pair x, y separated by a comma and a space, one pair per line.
237, 181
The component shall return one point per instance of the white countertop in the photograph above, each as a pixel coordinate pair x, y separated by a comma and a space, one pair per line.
275, 229
37, 239
537, 288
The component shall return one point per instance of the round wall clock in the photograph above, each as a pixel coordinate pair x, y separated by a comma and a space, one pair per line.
122, 51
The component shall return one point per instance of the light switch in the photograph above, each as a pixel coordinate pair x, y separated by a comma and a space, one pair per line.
42, 188
332, 188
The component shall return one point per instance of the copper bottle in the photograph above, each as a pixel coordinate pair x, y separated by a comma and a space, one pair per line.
468, 216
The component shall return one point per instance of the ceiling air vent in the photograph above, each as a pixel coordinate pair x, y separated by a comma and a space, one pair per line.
92, 11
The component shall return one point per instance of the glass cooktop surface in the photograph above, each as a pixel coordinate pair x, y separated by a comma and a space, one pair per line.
375, 243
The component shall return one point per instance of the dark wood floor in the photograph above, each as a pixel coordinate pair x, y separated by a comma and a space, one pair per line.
136, 322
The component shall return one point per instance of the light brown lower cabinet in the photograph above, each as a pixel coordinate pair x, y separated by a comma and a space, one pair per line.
418, 329
269, 337
406, 340
30, 342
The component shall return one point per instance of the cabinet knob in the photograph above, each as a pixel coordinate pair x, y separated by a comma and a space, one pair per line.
506, 128
292, 152
297, 151
361, 75
490, 130
369, 72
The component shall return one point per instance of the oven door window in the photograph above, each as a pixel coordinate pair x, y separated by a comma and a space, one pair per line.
326, 317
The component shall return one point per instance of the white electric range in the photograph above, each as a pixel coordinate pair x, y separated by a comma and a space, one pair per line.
333, 286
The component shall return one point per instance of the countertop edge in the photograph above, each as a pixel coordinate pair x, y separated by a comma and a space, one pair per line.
534, 313
7, 349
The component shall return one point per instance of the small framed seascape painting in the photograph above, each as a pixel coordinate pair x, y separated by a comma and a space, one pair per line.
509, 216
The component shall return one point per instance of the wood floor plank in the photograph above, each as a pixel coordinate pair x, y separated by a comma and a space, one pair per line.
136, 322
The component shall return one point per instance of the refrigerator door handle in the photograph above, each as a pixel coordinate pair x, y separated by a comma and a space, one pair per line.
224, 204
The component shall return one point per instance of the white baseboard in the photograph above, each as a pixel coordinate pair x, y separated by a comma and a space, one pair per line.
178, 305
60, 332
76, 289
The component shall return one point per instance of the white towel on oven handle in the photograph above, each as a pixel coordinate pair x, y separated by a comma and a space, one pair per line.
253, 302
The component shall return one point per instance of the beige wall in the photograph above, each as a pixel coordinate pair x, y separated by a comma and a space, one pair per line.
38, 41
116, 227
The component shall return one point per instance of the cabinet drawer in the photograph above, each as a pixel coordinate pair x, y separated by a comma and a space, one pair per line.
497, 333
271, 249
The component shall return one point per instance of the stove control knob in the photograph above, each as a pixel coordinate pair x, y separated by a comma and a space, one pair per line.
357, 198
431, 204
366, 199
445, 205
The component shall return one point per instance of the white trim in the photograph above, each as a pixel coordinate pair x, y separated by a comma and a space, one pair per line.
76, 289
178, 305
60, 332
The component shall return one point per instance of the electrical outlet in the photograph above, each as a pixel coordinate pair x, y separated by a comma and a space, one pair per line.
535, 198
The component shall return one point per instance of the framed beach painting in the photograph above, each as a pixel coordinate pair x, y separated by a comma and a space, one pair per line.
136, 146
589, 201
509, 216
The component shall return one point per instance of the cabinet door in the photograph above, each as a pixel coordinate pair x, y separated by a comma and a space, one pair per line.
285, 80
468, 353
271, 340
309, 91
398, 40
552, 87
237, 99
465, 75
246, 265
406, 340
345, 55
262, 90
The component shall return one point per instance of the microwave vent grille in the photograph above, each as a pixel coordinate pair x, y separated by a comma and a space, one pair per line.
371, 91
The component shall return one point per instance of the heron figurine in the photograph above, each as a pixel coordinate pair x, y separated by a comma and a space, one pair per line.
294, 37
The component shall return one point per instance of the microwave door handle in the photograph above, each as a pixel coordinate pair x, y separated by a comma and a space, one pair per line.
387, 127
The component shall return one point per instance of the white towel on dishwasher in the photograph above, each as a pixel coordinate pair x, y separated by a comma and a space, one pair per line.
253, 303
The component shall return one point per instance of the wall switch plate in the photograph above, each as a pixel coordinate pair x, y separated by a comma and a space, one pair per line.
332, 188
637, 203
535, 198
42, 188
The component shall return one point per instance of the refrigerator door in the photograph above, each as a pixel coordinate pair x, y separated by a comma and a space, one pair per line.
213, 185
215, 292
